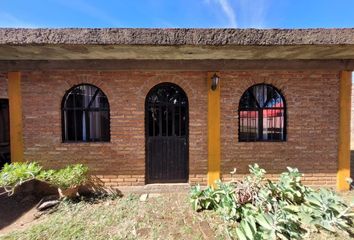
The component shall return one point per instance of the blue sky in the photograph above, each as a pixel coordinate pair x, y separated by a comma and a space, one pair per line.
177, 13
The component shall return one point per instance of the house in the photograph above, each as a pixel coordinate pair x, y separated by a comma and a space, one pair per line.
142, 106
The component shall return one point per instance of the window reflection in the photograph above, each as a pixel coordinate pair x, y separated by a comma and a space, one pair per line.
262, 114
85, 115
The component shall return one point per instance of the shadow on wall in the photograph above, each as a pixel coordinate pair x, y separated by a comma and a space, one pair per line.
352, 168
352, 164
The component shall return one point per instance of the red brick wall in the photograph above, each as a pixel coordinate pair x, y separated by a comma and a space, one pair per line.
312, 100
3, 85
122, 161
312, 125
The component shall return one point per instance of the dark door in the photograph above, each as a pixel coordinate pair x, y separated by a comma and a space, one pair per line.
166, 126
4, 132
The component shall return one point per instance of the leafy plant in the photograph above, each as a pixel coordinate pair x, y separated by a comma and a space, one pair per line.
227, 204
325, 209
289, 187
222, 198
273, 210
203, 199
247, 190
282, 224
13, 175
68, 177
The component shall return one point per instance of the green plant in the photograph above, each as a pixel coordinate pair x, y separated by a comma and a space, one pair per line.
222, 199
13, 175
227, 204
326, 210
203, 199
68, 177
289, 187
246, 190
285, 209
282, 223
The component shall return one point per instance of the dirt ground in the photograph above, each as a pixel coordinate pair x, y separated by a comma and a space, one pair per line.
160, 216
17, 213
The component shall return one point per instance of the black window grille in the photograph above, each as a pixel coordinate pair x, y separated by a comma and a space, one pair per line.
166, 129
262, 114
85, 115
167, 107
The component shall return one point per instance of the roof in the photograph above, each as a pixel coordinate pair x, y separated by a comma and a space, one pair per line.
175, 44
144, 36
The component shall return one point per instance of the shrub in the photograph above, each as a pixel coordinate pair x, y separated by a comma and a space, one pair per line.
285, 209
14, 174
325, 209
68, 177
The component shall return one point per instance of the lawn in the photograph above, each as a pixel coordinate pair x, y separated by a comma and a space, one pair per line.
166, 216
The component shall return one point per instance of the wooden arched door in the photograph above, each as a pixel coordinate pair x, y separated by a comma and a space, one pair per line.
166, 131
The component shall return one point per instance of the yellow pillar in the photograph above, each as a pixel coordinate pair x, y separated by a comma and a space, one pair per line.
344, 130
213, 131
15, 109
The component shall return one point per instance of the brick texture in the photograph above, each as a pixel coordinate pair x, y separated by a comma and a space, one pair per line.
3, 85
312, 123
122, 161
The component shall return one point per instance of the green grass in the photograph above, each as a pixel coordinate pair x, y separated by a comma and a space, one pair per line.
168, 216
125, 218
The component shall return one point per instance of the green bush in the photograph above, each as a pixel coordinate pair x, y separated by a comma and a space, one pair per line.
325, 209
68, 177
14, 174
285, 209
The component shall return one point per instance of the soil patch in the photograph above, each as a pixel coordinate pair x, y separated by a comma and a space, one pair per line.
16, 212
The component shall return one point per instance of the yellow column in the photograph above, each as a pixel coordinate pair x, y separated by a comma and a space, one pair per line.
213, 131
344, 130
15, 109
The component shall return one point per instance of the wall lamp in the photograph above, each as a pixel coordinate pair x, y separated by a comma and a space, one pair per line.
214, 81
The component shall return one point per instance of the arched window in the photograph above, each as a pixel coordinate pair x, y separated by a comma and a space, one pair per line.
85, 115
262, 113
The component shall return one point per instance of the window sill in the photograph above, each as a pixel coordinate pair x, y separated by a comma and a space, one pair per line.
85, 143
262, 141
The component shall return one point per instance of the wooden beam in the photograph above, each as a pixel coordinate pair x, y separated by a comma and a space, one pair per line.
15, 109
214, 152
167, 65
344, 130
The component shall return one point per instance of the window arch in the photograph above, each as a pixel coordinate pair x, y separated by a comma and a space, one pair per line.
262, 113
85, 115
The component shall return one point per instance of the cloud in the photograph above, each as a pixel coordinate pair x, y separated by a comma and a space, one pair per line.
253, 13
229, 11
243, 13
9, 20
